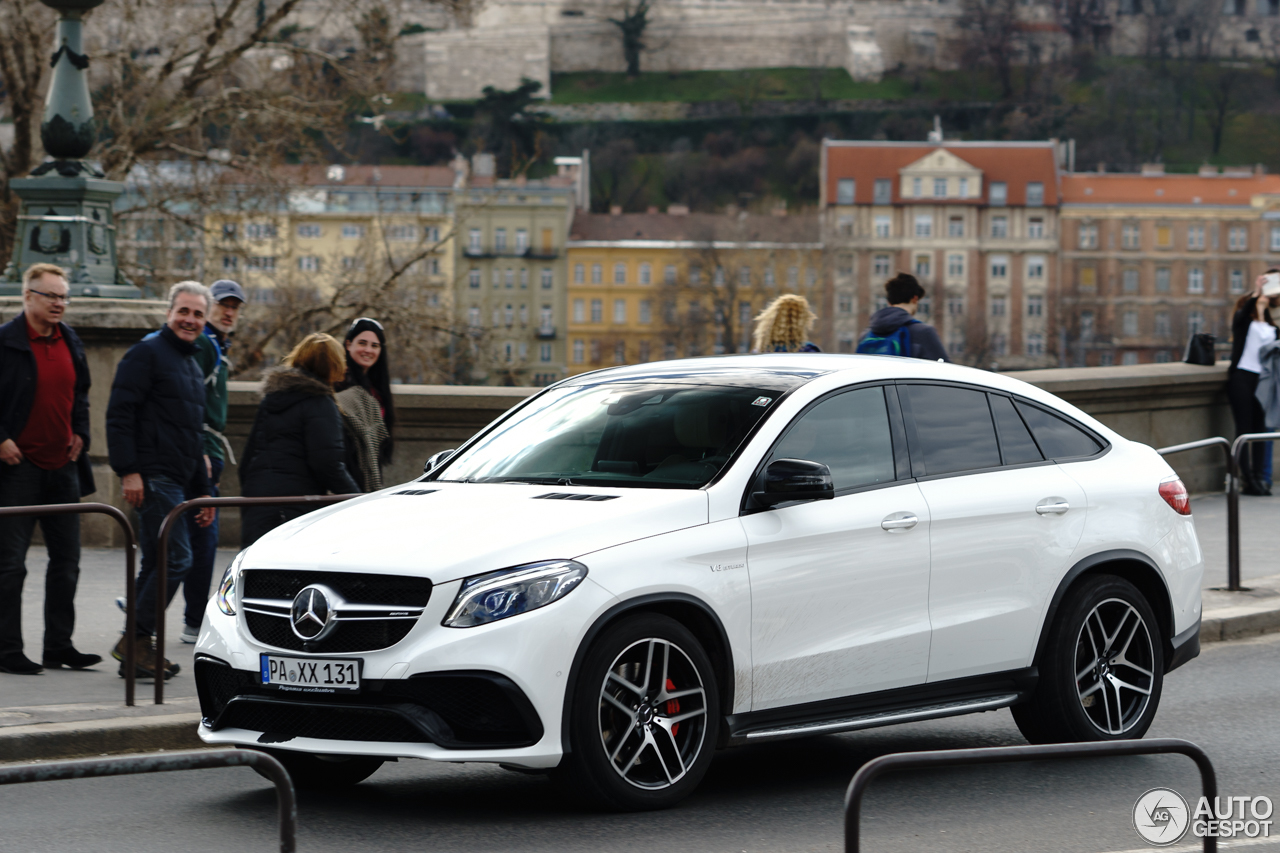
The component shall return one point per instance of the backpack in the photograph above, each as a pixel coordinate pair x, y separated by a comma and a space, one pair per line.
897, 342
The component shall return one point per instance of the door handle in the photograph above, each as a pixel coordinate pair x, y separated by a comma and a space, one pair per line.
899, 521
1053, 506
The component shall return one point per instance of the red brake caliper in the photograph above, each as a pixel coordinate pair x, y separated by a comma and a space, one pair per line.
673, 708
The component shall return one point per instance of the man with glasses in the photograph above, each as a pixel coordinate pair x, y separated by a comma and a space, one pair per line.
44, 436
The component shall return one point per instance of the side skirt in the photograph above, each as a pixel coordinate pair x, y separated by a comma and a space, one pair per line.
884, 708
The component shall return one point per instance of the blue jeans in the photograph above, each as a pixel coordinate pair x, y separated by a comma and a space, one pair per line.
161, 495
204, 551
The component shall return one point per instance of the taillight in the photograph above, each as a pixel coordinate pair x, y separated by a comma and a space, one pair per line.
1175, 495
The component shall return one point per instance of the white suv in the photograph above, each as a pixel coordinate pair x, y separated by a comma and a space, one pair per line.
640, 565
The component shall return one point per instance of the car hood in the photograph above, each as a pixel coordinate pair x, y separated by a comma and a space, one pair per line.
446, 531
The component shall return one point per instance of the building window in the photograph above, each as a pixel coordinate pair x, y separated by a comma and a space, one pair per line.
473, 317
1035, 194
579, 351
955, 306
544, 353
644, 354
228, 231
619, 310
1035, 266
509, 278
999, 226
309, 263
1162, 327
924, 266
1128, 359
999, 194
1088, 236
744, 276
844, 302
497, 278
524, 278
939, 187
1275, 238
229, 263
579, 311
769, 280
1035, 344
1129, 235
1195, 322
1129, 279
1237, 241
917, 187
717, 278
1235, 279
884, 191
473, 238
620, 273
998, 304
884, 226
309, 231
264, 263
1195, 238
1195, 280
1086, 325
925, 309
509, 315
880, 265
844, 191
646, 273
579, 274
1129, 323
844, 226
1162, 357
431, 233
1035, 228
546, 317
999, 266
597, 311
1088, 278
1162, 279
499, 239
793, 276
669, 274
955, 226
522, 241
999, 345
355, 232
402, 233
1035, 306
593, 349
646, 311
1164, 237
597, 274
924, 225
964, 188
352, 263
259, 231
955, 266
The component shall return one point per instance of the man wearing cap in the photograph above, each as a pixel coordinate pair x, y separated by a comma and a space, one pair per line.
211, 357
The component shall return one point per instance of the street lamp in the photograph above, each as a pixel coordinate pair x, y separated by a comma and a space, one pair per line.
66, 216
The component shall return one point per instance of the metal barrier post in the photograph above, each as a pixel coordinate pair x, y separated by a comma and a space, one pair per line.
1005, 754
162, 555
199, 759
1233, 518
1233, 499
130, 557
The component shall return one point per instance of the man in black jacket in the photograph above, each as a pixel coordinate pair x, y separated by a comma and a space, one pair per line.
903, 293
155, 429
44, 436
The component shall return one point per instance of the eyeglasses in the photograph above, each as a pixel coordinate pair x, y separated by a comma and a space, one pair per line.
357, 321
55, 298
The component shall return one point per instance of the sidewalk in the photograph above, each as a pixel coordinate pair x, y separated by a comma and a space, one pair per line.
64, 713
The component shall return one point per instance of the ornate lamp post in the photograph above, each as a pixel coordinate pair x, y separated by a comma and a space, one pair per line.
66, 216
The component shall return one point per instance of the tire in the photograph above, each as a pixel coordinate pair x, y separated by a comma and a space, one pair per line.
643, 718
1102, 669
323, 772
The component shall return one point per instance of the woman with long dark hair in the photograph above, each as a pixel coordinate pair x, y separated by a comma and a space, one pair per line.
364, 396
1251, 328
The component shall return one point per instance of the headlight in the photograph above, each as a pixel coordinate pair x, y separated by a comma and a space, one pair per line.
226, 594
497, 595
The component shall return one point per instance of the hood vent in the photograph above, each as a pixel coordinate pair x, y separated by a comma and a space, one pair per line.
573, 496
417, 492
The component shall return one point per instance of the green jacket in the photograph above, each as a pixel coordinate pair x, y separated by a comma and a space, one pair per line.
213, 367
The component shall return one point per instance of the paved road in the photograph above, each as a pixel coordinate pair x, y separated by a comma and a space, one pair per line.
785, 797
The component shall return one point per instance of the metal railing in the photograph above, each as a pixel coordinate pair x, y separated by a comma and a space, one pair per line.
162, 555
286, 803
1006, 754
1233, 450
130, 563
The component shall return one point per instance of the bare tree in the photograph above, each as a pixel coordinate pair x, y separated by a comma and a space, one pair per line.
994, 37
632, 21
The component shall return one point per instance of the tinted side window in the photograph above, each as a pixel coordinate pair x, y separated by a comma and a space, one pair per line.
849, 434
1057, 437
1015, 442
954, 430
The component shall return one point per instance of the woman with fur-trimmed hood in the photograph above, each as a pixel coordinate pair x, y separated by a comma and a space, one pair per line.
295, 446
784, 326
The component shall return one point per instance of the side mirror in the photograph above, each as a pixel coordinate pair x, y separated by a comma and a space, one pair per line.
796, 480
436, 459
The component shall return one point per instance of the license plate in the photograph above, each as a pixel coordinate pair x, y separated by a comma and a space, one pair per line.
312, 675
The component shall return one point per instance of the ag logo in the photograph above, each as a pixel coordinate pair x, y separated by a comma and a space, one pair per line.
1161, 817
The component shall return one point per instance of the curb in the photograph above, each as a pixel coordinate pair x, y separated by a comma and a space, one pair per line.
99, 737
1236, 623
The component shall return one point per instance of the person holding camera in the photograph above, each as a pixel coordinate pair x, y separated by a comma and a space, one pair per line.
1252, 328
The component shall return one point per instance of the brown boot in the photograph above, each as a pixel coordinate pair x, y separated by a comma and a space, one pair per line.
145, 659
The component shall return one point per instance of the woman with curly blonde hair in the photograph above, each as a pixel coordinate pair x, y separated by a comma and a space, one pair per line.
784, 326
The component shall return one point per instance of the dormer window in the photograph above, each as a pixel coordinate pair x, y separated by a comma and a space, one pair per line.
845, 191
917, 187
1035, 194
884, 191
964, 188
999, 193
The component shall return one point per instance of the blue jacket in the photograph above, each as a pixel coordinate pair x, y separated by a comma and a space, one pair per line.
155, 417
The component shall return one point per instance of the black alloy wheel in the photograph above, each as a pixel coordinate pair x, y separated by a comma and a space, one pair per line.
1102, 668
644, 716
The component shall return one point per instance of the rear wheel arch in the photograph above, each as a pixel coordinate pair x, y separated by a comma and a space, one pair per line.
691, 612
1135, 567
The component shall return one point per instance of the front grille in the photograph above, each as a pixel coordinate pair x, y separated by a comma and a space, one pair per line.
283, 585
451, 709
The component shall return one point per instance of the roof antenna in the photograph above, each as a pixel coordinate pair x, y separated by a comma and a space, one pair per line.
935, 135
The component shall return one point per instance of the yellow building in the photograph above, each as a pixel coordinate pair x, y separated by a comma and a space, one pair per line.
652, 286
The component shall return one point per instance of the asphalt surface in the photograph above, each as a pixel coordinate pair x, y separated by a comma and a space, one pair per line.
782, 797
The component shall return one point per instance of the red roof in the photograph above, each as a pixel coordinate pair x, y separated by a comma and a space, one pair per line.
368, 176
1091, 188
1014, 163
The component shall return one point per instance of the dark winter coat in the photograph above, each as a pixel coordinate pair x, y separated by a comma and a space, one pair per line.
18, 389
924, 338
155, 417
295, 446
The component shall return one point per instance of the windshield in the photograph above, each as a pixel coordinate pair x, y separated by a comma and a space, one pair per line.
661, 435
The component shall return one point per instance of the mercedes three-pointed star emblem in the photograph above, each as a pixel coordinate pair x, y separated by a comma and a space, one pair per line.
312, 615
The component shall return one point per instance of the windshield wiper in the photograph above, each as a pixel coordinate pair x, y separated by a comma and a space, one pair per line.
536, 481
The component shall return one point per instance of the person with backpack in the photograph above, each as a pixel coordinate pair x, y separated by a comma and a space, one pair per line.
894, 328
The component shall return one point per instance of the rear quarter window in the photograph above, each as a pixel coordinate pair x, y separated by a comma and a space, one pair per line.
1058, 438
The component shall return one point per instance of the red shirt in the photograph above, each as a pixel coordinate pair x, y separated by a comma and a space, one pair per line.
46, 439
